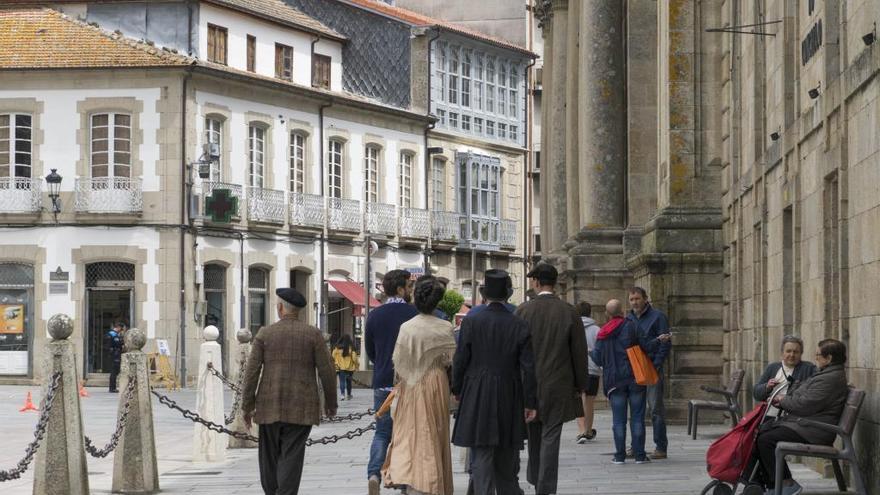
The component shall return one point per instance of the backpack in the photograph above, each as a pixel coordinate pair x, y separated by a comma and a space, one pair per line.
727, 457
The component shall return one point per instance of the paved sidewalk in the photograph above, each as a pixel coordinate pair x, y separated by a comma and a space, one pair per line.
340, 468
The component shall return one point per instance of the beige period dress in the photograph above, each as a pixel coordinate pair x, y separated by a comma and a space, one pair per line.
419, 454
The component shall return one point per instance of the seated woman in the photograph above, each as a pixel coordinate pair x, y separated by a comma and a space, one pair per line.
780, 375
821, 397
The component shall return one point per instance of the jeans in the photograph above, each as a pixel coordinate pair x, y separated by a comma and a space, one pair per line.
658, 413
344, 382
379, 447
633, 396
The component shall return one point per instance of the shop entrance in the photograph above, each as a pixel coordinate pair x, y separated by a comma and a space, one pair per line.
109, 299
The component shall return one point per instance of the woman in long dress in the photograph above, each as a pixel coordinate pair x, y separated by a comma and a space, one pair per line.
419, 455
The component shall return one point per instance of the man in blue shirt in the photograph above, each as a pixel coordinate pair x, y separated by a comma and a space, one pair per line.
380, 337
653, 325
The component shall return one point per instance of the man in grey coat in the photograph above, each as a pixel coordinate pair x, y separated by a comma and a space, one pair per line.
561, 370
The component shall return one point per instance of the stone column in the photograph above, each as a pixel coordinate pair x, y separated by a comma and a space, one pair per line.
61, 459
209, 446
134, 462
244, 338
555, 134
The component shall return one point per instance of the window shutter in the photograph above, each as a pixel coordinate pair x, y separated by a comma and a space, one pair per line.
221, 46
279, 64
251, 53
212, 43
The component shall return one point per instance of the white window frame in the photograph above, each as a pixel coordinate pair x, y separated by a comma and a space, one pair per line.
479, 193
256, 155
14, 144
405, 178
335, 168
113, 151
438, 184
372, 161
297, 168
214, 134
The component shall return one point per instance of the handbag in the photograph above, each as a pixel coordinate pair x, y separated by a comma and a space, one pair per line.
643, 368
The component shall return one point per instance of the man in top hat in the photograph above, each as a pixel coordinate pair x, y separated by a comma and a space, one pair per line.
283, 360
561, 372
493, 377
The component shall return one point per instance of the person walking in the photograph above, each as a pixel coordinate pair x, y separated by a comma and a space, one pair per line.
116, 336
493, 378
419, 457
594, 372
346, 361
653, 325
561, 371
619, 383
280, 392
380, 338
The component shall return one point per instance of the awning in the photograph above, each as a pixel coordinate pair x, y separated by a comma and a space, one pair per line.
354, 292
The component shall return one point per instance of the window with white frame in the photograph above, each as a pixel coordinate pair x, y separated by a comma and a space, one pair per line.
502, 89
438, 184
479, 197
371, 169
15, 145
214, 134
335, 150
256, 155
297, 162
490, 84
405, 180
453, 77
110, 145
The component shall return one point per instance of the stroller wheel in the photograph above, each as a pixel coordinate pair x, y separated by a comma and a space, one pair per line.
722, 489
753, 489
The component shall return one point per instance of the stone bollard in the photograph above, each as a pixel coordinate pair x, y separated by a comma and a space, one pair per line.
134, 461
244, 337
209, 446
61, 459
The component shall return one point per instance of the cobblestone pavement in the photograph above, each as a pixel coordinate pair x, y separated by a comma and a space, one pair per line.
340, 468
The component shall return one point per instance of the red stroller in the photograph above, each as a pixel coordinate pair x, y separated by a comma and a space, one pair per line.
728, 457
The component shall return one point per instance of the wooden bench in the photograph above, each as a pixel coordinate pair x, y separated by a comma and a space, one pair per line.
729, 403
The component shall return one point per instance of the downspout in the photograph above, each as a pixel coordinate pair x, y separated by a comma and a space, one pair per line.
428, 170
185, 192
241, 298
322, 322
527, 185
312, 59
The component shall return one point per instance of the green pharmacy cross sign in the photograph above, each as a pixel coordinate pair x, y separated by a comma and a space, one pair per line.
221, 205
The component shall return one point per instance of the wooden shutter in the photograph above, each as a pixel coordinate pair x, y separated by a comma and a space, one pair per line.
321, 71
212, 42
221, 38
279, 61
251, 53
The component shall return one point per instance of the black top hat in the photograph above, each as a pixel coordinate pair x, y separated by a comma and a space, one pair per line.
545, 273
497, 285
292, 296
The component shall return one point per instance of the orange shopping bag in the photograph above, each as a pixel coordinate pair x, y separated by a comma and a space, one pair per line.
643, 368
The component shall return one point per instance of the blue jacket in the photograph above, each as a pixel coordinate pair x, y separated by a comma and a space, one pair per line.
380, 337
610, 354
651, 325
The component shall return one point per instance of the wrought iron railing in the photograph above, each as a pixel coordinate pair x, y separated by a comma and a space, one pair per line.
235, 190
19, 195
109, 195
508, 234
414, 223
265, 205
344, 214
306, 210
380, 218
445, 225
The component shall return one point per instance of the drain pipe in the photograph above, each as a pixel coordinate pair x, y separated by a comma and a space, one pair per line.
527, 185
322, 309
184, 194
428, 170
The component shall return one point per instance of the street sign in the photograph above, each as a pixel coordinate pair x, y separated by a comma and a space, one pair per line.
221, 205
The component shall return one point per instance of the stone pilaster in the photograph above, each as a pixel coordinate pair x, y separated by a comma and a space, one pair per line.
572, 117
553, 175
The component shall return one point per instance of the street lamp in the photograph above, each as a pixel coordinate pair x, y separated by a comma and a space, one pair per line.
54, 182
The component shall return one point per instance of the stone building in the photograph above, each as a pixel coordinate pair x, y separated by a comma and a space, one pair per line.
723, 155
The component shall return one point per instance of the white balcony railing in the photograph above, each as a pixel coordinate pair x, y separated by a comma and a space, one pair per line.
445, 225
265, 205
344, 214
414, 223
380, 218
508, 234
235, 191
19, 195
306, 210
109, 195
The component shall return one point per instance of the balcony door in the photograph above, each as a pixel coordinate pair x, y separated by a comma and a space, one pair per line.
109, 299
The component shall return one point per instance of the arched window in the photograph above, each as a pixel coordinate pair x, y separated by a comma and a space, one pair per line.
297, 162
214, 135
335, 150
16, 317
256, 155
110, 145
258, 306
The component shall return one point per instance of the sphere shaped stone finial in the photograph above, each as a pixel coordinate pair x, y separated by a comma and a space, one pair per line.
243, 335
60, 326
211, 333
135, 339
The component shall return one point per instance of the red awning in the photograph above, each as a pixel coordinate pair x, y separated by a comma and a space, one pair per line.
354, 292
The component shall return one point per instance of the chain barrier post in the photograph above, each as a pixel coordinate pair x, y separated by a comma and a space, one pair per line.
209, 445
61, 459
134, 463
244, 338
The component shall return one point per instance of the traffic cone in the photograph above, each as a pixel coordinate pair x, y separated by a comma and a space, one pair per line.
28, 404
82, 389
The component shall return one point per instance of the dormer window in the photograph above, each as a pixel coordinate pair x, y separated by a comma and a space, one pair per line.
283, 62
217, 44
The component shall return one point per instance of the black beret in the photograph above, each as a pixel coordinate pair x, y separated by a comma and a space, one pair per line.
292, 296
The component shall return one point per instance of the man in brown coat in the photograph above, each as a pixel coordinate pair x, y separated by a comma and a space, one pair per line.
287, 404
560, 348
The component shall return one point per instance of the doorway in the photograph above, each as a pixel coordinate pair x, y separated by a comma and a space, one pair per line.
215, 300
109, 299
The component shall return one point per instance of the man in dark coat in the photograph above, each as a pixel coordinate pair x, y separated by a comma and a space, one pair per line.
493, 377
561, 371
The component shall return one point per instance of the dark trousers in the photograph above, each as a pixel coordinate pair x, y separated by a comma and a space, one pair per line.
282, 455
494, 470
114, 373
543, 467
766, 445
344, 382
658, 414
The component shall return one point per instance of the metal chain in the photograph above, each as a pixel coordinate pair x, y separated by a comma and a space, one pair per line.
120, 424
226, 381
39, 432
350, 417
195, 418
237, 392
